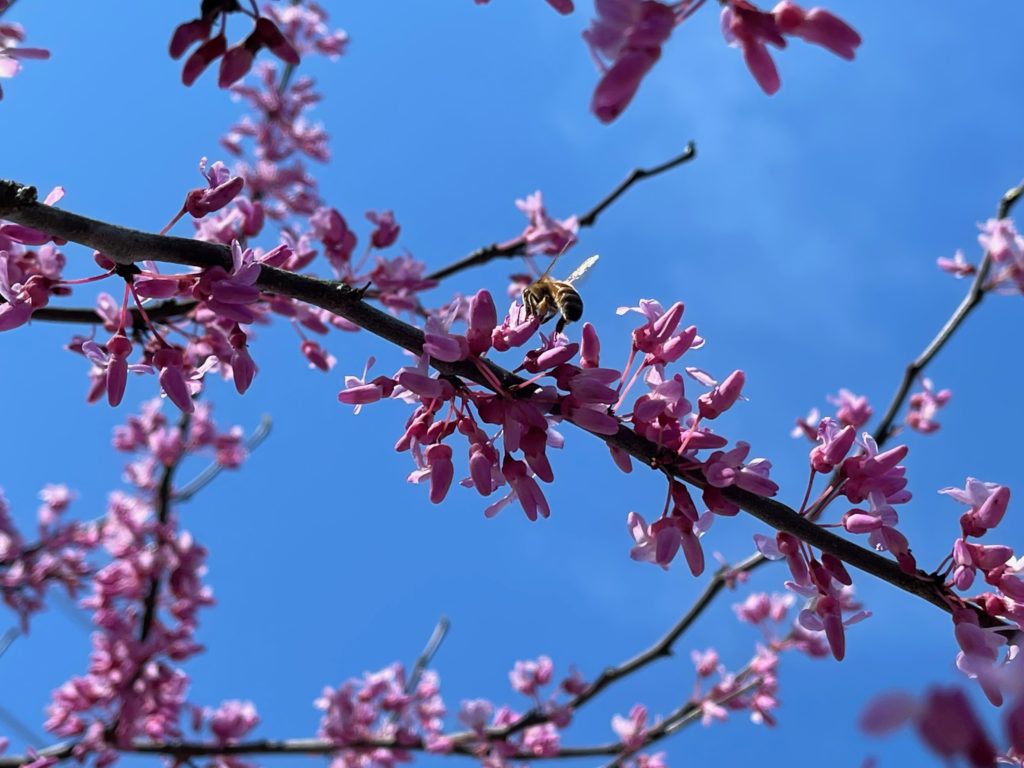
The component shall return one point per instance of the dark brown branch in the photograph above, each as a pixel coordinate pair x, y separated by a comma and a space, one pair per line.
517, 247
346, 302
973, 298
165, 310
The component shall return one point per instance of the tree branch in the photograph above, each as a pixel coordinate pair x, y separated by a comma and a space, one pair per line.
517, 246
127, 246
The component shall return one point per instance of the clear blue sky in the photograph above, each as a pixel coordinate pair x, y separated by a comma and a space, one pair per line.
803, 241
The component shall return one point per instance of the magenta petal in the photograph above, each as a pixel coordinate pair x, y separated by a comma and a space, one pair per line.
235, 64
172, 381
761, 66
620, 83
117, 379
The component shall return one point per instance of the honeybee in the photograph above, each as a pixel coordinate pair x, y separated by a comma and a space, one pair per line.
546, 297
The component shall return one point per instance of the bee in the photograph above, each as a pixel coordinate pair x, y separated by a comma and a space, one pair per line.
546, 297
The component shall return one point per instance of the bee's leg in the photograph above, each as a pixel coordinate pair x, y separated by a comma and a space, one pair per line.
560, 326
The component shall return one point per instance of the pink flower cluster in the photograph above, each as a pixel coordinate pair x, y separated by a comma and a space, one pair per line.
516, 455
626, 38
235, 61
30, 270
382, 707
145, 601
924, 406
55, 558
946, 721
752, 30
11, 51
229, 723
530, 678
1005, 247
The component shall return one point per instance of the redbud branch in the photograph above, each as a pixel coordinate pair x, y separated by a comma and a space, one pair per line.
973, 298
517, 247
127, 246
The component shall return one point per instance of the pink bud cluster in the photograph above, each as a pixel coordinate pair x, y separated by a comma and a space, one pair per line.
383, 707
235, 61
11, 51
55, 558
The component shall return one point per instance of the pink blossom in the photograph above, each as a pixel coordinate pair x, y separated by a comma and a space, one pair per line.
112, 364
988, 503
11, 36
222, 189
476, 714
625, 40
752, 29
232, 721
386, 229
359, 392
545, 234
712, 404
956, 266
725, 468
317, 356
170, 363
924, 405
851, 409
834, 444
528, 677
632, 730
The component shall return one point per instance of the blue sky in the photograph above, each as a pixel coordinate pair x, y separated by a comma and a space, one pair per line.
803, 240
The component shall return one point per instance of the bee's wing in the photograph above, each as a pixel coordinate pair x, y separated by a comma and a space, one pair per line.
581, 269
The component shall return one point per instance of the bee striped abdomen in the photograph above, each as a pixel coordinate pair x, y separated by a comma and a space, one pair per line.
569, 301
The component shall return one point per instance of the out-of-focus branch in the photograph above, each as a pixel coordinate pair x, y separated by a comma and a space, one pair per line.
164, 310
205, 477
128, 246
429, 651
517, 247
973, 298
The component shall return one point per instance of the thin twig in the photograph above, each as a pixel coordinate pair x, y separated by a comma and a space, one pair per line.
165, 310
207, 476
429, 651
517, 246
973, 298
